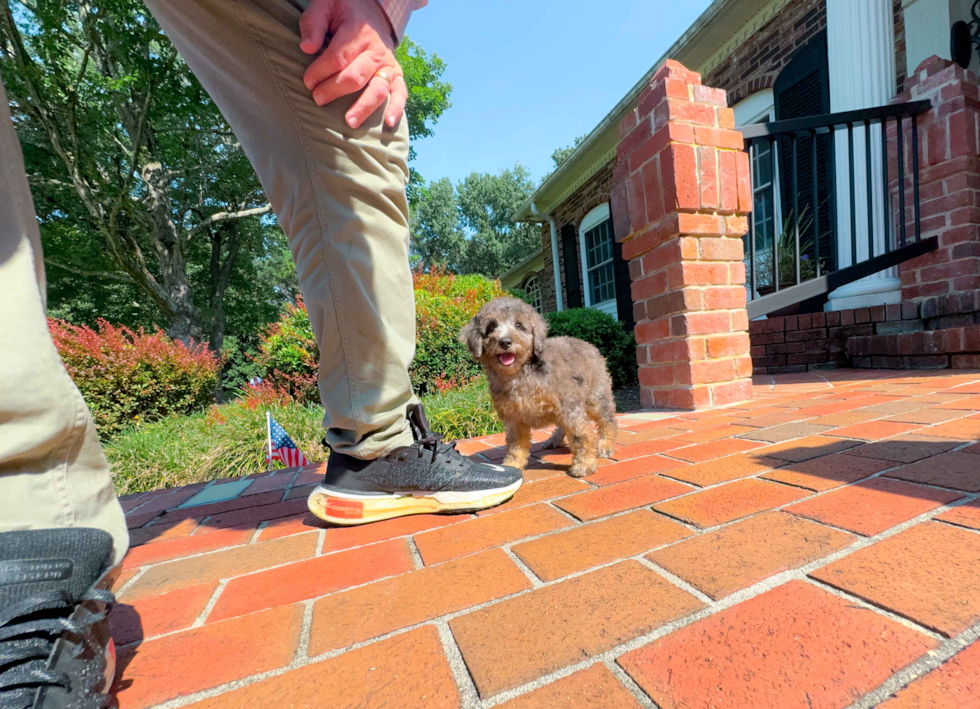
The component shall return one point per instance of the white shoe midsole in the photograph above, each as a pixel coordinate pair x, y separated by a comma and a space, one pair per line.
445, 498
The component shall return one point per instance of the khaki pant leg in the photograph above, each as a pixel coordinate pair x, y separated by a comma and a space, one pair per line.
52, 470
339, 195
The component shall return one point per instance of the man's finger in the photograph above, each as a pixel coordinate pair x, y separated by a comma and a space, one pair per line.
313, 24
343, 48
354, 78
396, 104
368, 102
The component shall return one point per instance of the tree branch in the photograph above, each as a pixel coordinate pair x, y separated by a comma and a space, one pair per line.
225, 216
121, 277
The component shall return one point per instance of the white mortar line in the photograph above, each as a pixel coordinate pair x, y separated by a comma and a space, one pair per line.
203, 616
461, 674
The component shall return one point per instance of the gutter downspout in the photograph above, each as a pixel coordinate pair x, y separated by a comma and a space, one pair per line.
554, 253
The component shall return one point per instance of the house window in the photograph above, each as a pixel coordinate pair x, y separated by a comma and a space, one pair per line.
766, 211
532, 290
598, 268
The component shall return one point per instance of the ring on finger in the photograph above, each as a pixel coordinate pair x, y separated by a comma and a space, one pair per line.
387, 74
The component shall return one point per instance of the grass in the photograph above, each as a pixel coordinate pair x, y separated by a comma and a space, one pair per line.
229, 440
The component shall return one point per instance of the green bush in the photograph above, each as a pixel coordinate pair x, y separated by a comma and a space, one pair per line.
603, 331
128, 377
443, 304
288, 355
461, 413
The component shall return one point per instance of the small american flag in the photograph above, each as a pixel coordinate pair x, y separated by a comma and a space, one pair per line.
281, 446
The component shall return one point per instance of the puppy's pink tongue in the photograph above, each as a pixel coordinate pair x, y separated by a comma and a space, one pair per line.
507, 358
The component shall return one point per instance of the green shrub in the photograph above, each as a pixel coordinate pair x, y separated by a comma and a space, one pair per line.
443, 304
131, 377
238, 362
288, 355
230, 440
461, 413
603, 331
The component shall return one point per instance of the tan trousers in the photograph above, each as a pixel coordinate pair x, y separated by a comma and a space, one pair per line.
52, 471
339, 195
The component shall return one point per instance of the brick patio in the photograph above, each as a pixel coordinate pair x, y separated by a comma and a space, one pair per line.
817, 547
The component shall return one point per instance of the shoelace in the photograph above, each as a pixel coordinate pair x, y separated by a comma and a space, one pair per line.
433, 442
27, 656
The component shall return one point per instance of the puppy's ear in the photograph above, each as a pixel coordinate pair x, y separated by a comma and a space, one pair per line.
472, 336
539, 331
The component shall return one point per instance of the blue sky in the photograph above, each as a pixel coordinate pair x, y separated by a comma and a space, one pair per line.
528, 77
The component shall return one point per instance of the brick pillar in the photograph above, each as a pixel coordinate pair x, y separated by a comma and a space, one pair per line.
949, 185
680, 198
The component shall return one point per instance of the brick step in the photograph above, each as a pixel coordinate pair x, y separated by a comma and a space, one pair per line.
945, 348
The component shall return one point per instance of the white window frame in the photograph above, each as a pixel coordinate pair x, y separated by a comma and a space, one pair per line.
590, 221
536, 277
757, 108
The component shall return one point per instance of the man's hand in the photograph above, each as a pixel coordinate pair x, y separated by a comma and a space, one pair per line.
361, 46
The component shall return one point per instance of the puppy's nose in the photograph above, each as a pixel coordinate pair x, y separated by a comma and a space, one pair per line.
505, 342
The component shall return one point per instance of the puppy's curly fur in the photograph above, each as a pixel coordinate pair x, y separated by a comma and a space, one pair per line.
536, 380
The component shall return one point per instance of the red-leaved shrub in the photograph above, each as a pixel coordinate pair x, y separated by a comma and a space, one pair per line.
131, 376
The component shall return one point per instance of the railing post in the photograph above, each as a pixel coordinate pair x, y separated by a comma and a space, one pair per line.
681, 195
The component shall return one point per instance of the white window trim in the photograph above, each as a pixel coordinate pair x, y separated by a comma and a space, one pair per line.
535, 276
590, 221
756, 109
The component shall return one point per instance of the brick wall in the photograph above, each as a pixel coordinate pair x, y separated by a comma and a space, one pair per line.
591, 194
755, 64
800, 343
949, 137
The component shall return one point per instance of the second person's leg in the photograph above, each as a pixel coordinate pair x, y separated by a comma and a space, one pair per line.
339, 194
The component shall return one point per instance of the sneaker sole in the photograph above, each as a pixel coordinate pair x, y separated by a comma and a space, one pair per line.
349, 509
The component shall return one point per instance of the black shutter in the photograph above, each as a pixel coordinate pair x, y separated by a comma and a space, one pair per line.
624, 295
573, 272
803, 89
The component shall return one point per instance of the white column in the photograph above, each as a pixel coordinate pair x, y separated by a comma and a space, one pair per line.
861, 56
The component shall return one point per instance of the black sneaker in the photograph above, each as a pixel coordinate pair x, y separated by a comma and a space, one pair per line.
55, 649
428, 477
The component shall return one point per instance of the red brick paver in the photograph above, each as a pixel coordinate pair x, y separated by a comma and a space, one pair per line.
953, 685
728, 502
927, 573
873, 506
794, 646
857, 504
523, 638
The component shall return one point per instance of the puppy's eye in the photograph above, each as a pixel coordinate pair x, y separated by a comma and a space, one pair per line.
491, 326
520, 326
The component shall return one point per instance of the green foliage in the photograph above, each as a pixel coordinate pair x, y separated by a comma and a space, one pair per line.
469, 228
462, 413
229, 440
443, 304
603, 331
128, 158
238, 362
288, 355
225, 441
129, 377
562, 154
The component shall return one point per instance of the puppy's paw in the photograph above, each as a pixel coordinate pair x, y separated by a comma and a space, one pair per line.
515, 462
581, 471
605, 452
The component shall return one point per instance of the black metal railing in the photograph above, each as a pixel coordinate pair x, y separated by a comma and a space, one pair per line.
794, 173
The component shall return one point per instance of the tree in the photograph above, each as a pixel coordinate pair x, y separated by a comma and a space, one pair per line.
146, 202
562, 154
469, 229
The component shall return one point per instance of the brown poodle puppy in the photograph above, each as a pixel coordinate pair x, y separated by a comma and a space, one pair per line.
536, 381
